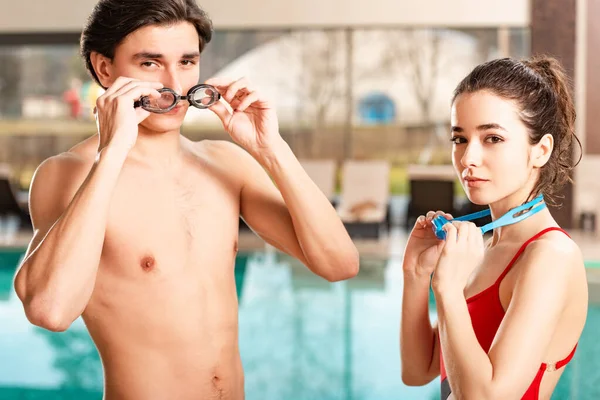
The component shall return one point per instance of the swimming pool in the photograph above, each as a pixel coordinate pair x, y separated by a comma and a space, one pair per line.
301, 338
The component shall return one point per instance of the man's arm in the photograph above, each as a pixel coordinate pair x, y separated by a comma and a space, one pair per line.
69, 205
297, 218
293, 214
56, 279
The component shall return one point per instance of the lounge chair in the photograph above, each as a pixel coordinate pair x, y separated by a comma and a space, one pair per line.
322, 173
364, 202
8, 201
431, 188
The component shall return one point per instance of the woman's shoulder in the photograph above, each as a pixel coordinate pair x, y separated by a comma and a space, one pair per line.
553, 253
556, 241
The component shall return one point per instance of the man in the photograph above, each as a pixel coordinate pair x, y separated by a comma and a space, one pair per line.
136, 228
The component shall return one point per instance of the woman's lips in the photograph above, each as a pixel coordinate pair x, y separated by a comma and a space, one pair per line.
474, 182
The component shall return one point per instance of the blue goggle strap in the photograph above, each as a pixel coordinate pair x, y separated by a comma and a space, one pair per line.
508, 219
470, 217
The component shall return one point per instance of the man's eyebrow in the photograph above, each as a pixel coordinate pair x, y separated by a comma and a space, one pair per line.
147, 54
157, 56
194, 54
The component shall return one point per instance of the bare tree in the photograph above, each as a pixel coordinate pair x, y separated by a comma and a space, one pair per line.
319, 85
419, 54
425, 57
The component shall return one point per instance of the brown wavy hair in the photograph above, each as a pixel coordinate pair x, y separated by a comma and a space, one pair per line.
541, 89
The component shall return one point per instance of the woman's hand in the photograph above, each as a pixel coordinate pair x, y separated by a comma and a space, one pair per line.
461, 253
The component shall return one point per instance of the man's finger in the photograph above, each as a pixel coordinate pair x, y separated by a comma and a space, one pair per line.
247, 102
219, 82
222, 112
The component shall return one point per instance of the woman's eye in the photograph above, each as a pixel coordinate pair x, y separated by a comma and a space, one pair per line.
458, 140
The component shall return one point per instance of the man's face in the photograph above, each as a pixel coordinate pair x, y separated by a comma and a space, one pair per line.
166, 54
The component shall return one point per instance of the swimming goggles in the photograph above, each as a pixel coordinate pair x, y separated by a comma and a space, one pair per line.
511, 217
200, 96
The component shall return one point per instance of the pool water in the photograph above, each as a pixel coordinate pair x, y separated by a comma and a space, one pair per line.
301, 338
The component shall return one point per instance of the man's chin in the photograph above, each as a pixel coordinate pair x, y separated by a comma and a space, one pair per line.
162, 124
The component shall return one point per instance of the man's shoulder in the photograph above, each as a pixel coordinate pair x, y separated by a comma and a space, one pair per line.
56, 181
221, 152
85, 150
71, 163
218, 146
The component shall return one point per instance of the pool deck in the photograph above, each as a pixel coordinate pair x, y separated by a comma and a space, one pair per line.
392, 246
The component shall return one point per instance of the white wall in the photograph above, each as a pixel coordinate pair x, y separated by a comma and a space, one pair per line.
70, 15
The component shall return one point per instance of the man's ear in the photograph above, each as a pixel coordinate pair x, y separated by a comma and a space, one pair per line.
103, 68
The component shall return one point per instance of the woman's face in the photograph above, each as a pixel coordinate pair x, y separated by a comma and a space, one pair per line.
490, 152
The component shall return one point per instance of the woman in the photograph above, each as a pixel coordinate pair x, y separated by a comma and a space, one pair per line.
510, 310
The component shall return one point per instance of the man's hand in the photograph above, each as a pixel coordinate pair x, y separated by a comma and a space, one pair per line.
116, 117
253, 123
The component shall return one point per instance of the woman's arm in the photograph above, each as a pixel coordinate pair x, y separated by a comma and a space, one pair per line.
539, 297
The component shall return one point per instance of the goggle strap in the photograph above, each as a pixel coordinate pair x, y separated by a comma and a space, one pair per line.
470, 217
508, 219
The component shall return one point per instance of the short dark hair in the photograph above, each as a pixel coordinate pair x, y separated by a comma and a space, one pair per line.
541, 89
111, 21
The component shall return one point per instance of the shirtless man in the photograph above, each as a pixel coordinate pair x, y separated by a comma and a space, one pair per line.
136, 228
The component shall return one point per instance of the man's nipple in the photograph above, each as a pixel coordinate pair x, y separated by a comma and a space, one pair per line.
147, 263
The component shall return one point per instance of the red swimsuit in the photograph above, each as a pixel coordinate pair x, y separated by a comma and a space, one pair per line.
487, 313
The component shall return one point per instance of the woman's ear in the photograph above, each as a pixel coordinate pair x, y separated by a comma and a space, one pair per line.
542, 150
103, 68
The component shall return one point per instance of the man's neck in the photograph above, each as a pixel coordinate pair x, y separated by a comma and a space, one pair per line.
157, 147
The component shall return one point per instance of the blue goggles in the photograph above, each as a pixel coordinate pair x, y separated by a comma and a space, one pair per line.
513, 216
